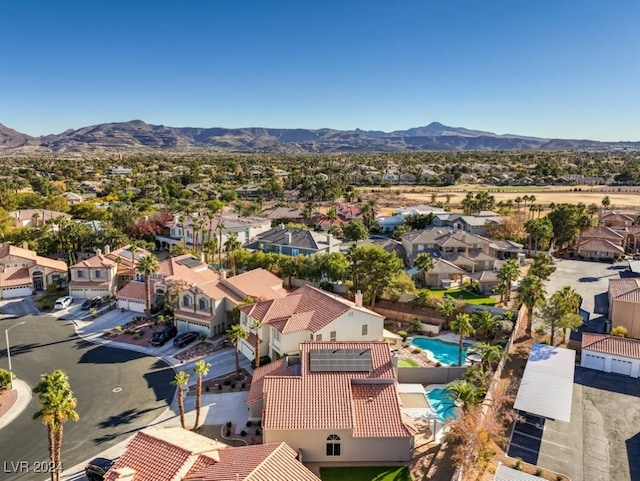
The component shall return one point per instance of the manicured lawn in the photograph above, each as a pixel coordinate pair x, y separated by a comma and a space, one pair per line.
407, 363
370, 473
466, 296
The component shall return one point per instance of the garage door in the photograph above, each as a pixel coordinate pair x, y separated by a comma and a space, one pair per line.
621, 366
592, 361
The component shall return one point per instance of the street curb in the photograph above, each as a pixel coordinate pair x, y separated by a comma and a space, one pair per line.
24, 397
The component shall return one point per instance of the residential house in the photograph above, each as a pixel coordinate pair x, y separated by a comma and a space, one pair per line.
624, 304
284, 215
601, 243
105, 273
72, 198
36, 217
119, 170
23, 271
294, 242
340, 404
616, 219
506, 249
444, 274
390, 223
176, 454
474, 223
611, 354
249, 191
306, 314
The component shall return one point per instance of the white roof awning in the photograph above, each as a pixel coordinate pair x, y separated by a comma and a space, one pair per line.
546, 388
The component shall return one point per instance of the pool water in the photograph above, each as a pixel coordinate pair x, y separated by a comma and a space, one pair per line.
443, 352
442, 403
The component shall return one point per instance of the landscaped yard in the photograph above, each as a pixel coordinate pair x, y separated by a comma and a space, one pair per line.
407, 363
369, 473
467, 296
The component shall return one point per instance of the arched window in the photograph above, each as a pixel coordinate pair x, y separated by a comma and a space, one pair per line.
333, 445
203, 304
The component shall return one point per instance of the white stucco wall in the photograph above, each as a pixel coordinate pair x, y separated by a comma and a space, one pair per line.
609, 361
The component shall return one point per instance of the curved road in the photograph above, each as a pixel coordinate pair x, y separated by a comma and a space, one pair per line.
118, 392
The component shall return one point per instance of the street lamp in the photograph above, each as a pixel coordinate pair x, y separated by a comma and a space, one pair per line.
6, 336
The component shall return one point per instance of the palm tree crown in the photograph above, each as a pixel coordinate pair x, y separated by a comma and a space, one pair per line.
148, 266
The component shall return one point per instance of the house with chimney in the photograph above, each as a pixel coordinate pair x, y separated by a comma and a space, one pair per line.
106, 272
294, 242
23, 271
334, 402
306, 314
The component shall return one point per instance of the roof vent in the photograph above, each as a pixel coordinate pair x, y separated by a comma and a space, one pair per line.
369, 399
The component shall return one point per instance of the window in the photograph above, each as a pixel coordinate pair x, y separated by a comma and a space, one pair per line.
333, 445
98, 274
332, 335
311, 336
186, 300
365, 329
203, 304
420, 247
80, 274
318, 337
276, 335
295, 252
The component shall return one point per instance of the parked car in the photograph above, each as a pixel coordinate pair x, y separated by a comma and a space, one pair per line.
89, 303
97, 468
63, 302
160, 338
185, 338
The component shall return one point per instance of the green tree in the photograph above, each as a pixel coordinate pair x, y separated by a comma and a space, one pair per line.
565, 221
57, 406
424, 263
200, 369
568, 301
619, 331
236, 334
490, 353
256, 325
147, 266
508, 273
542, 266
531, 293
465, 393
373, 270
448, 310
355, 231
181, 380
232, 245
461, 325
487, 322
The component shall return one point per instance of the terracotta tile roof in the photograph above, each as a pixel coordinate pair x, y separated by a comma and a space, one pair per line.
127, 255
96, 261
260, 462
622, 287
442, 266
599, 245
11, 250
334, 400
133, 290
307, 308
602, 232
275, 368
163, 454
15, 276
257, 283
617, 346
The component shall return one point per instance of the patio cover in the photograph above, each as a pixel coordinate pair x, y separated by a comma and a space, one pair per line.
504, 473
546, 388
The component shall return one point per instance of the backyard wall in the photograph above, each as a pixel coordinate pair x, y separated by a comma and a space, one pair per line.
407, 317
430, 375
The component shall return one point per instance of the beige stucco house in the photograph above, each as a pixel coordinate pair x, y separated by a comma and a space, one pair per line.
23, 271
624, 305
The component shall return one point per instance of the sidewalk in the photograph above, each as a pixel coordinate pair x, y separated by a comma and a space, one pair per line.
20, 404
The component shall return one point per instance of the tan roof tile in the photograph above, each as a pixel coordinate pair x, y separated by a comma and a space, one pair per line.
600, 245
619, 287
257, 283
617, 346
15, 276
133, 290
275, 368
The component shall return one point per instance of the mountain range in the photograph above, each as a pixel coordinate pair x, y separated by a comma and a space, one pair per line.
137, 135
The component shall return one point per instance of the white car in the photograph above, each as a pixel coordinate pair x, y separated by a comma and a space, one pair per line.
63, 302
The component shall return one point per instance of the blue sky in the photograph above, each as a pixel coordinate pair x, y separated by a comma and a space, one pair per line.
567, 69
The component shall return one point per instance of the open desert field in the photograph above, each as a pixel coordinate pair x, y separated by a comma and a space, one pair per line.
627, 197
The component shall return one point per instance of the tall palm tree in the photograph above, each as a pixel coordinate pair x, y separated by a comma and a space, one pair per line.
148, 266
221, 227
256, 325
236, 334
447, 309
461, 325
200, 369
518, 201
487, 322
181, 380
508, 273
531, 293
424, 263
57, 406
490, 353
231, 246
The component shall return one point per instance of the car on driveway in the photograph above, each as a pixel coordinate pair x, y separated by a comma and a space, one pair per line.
97, 468
63, 302
185, 338
90, 303
161, 337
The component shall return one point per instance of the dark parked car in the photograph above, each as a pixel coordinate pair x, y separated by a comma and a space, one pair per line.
97, 468
185, 338
159, 338
89, 303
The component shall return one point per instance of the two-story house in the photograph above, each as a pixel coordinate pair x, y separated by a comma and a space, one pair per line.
335, 402
23, 271
294, 242
306, 314
474, 223
601, 243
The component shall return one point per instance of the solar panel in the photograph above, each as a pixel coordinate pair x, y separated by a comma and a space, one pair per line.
190, 262
340, 360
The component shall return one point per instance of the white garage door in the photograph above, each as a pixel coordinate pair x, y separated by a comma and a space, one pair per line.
621, 366
593, 361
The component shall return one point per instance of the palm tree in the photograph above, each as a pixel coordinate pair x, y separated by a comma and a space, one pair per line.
231, 246
464, 393
236, 333
181, 380
606, 203
256, 325
518, 201
424, 263
57, 406
568, 301
531, 293
508, 273
447, 309
221, 227
490, 353
487, 322
148, 266
461, 325
200, 369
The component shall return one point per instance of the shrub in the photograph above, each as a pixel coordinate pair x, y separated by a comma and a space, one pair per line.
538, 472
233, 385
258, 431
117, 328
416, 350
416, 325
518, 464
228, 433
5, 379
129, 331
403, 335
227, 382
243, 433
619, 331
540, 331
244, 384
249, 424
228, 424
219, 387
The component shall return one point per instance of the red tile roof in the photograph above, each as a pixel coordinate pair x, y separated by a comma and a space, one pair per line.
11, 250
617, 346
275, 368
99, 260
15, 276
364, 402
602, 232
625, 289
600, 245
258, 283
134, 290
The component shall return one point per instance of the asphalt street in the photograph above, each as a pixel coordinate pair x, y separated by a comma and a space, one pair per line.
118, 392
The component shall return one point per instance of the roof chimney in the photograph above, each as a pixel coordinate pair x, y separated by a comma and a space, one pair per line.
280, 226
358, 298
25, 245
223, 274
98, 252
287, 238
107, 249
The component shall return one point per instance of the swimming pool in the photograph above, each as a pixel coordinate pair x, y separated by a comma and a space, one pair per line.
442, 403
443, 352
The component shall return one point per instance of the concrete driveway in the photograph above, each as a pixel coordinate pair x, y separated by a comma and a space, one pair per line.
17, 307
